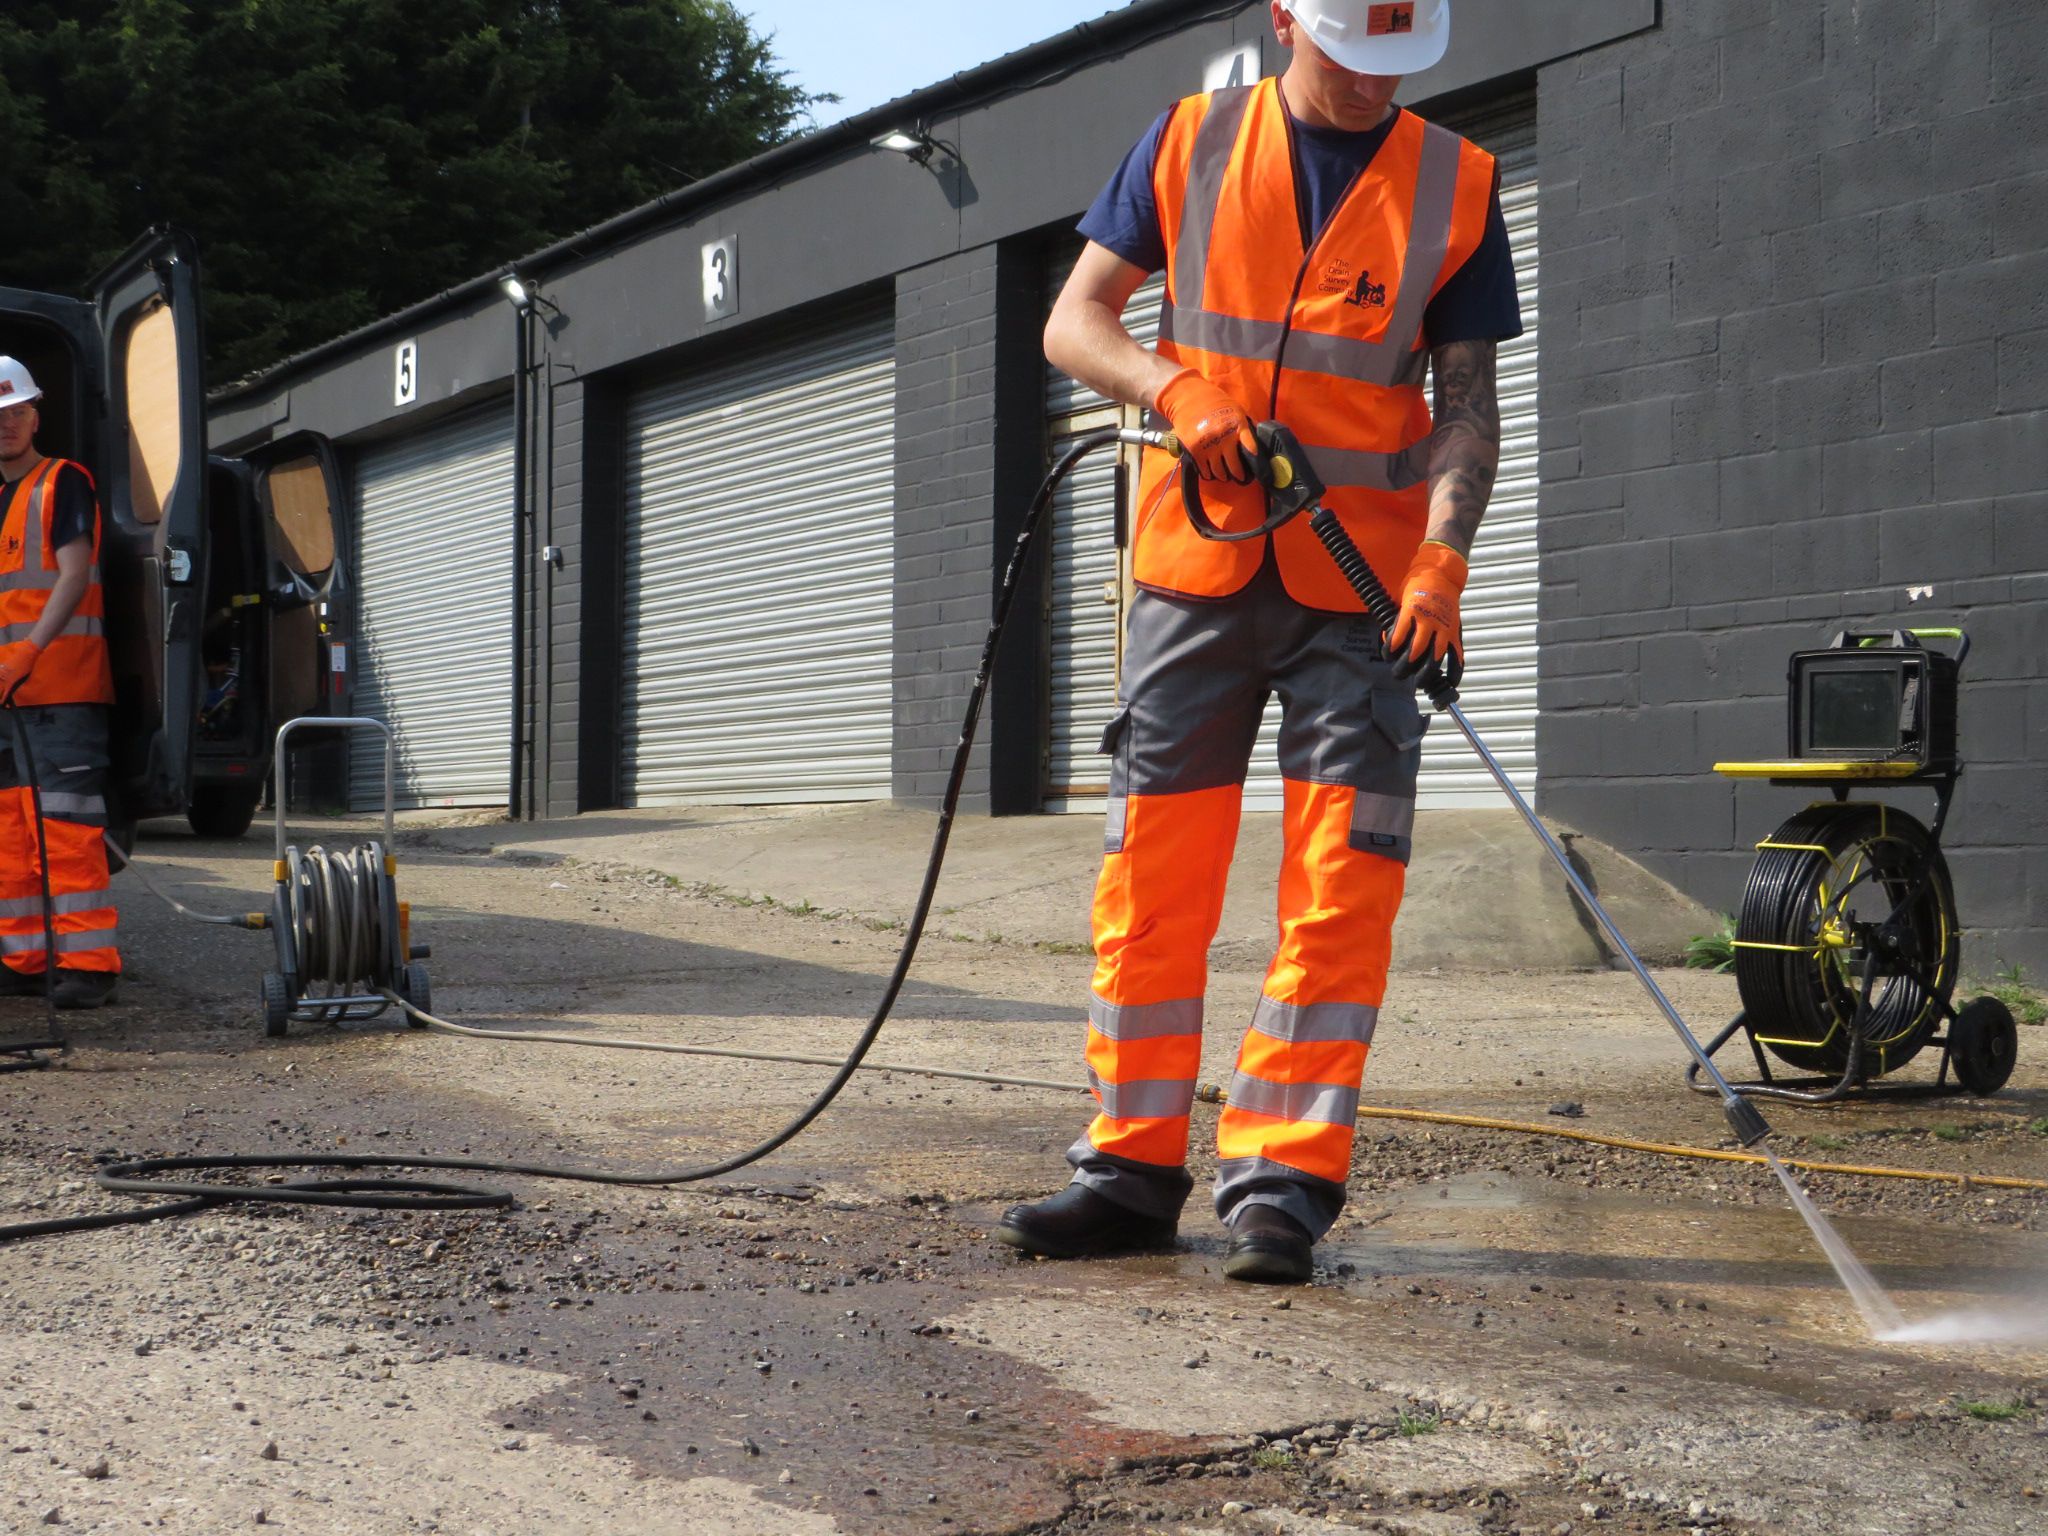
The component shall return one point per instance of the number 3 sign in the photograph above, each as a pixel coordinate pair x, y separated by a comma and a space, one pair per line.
721, 279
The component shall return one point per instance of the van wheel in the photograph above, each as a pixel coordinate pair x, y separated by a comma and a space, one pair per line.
223, 810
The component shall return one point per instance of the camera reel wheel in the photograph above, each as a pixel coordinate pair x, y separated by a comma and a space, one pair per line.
1847, 942
1983, 1045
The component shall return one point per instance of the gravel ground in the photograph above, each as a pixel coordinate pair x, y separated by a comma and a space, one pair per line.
1507, 1333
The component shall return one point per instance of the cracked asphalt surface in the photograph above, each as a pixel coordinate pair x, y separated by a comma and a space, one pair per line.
1506, 1333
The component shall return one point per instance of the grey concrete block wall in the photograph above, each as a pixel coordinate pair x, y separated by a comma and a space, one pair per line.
1795, 367
967, 445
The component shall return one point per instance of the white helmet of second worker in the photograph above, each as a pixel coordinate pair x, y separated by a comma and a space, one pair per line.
1376, 37
17, 384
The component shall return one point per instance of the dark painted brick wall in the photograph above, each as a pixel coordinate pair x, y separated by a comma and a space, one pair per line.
967, 452
1795, 363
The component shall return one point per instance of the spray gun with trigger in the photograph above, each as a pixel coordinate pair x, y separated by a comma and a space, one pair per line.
1293, 488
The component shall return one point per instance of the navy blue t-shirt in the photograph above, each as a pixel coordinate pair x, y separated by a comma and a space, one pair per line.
1476, 303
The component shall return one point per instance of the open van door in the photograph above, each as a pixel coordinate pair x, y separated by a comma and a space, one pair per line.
152, 470
298, 492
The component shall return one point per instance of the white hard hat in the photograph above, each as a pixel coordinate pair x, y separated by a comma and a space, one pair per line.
17, 385
1376, 37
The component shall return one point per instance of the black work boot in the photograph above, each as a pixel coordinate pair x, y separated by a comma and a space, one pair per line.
1268, 1247
85, 989
1077, 1223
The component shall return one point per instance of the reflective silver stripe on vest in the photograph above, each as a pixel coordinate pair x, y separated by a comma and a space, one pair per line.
32, 577
1152, 1098
57, 802
66, 905
78, 625
1208, 166
1349, 469
67, 943
1429, 229
1317, 1103
1146, 1021
1392, 362
1315, 1024
1259, 341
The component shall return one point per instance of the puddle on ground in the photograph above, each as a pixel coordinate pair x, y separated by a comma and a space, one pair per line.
1763, 1257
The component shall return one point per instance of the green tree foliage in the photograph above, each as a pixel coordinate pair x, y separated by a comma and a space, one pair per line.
340, 159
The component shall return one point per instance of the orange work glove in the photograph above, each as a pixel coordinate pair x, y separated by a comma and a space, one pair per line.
16, 662
1211, 426
1428, 628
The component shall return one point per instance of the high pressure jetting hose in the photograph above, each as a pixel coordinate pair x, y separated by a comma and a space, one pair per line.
142, 1177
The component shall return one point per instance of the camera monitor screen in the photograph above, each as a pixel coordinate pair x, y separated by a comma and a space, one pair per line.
1853, 709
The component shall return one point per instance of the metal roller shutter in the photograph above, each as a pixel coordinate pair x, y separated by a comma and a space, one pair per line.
1084, 593
1500, 604
433, 534
758, 605
1499, 692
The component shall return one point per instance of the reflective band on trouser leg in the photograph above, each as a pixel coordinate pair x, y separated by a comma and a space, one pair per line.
86, 934
1157, 904
1285, 1137
21, 891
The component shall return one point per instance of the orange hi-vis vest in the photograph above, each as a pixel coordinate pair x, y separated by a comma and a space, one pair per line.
1328, 340
73, 669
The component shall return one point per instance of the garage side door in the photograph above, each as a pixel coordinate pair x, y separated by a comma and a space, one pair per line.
433, 534
759, 576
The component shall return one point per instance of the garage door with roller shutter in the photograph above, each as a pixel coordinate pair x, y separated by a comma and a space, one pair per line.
1088, 587
433, 537
758, 604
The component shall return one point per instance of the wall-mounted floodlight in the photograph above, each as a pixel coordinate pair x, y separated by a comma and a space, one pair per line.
918, 145
515, 290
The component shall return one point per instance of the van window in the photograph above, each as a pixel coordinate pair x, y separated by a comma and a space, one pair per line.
298, 502
155, 413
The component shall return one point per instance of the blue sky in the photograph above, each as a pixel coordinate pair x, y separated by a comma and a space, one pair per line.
873, 51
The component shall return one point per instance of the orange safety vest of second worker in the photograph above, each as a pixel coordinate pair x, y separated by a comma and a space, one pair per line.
73, 668
1328, 340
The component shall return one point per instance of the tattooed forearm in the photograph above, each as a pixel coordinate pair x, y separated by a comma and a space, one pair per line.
1464, 450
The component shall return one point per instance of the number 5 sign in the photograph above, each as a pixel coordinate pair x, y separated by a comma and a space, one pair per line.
721, 279
405, 376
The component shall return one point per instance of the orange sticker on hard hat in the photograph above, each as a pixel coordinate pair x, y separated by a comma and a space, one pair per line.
1385, 20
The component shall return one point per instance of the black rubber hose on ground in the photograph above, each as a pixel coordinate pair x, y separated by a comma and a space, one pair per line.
139, 1177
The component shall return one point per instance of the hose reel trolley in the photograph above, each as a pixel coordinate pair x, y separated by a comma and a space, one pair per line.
344, 940
1848, 942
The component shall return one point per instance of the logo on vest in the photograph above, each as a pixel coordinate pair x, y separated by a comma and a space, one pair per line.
1367, 294
1387, 20
13, 545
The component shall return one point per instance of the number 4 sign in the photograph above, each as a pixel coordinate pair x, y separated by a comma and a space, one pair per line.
1240, 66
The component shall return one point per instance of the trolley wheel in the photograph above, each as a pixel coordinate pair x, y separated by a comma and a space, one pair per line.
414, 987
1849, 908
277, 1004
1983, 1044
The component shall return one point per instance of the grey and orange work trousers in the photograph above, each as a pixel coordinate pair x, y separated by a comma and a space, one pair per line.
69, 742
1196, 676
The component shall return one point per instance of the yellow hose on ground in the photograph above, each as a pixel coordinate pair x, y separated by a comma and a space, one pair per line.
1210, 1094
1668, 1149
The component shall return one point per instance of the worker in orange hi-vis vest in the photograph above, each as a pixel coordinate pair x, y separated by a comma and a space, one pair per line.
1325, 253
54, 674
